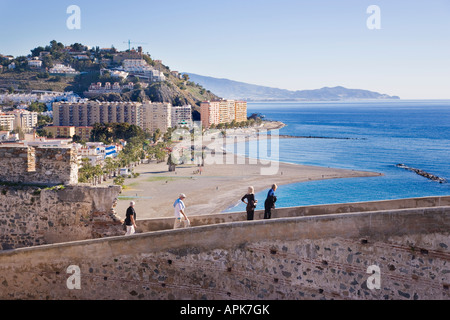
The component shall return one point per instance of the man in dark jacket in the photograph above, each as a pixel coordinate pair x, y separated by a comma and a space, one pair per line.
269, 204
130, 220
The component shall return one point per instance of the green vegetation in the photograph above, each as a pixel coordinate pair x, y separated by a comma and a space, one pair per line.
25, 78
139, 146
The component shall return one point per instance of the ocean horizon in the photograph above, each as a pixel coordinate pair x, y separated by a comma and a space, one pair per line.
373, 135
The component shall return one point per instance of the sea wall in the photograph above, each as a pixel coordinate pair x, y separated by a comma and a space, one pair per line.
30, 216
308, 257
42, 166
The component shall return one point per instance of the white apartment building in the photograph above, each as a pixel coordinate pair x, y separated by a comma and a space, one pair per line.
25, 120
182, 116
7, 121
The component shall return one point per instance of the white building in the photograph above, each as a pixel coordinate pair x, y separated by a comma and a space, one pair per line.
181, 116
25, 120
7, 121
35, 63
136, 66
63, 69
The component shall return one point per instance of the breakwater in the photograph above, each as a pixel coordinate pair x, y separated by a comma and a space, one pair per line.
422, 173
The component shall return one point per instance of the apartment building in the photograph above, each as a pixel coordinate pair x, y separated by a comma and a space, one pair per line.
182, 116
150, 116
209, 112
223, 111
157, 116
88, 113
70, 131
24, 119
60, 131
240, 111
7, 121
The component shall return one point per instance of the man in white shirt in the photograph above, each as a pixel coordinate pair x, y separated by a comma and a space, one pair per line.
181, 220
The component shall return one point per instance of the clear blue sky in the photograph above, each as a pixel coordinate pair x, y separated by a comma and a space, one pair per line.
295, 44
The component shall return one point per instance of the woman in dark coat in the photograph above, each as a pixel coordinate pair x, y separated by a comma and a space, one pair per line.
250, 201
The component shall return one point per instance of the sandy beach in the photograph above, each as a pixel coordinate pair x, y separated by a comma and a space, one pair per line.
220, 185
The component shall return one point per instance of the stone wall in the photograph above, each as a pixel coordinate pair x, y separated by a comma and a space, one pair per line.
148, 225
308, 257
30, 216
42, 166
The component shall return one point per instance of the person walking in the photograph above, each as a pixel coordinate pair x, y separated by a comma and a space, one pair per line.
269, 204
250, 201
181, 220
130, 219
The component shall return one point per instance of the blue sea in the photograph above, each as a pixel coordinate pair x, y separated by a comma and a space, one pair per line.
377, 136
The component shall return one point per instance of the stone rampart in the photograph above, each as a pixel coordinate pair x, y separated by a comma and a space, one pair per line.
330, 256
148, 225
30, 216
41, 166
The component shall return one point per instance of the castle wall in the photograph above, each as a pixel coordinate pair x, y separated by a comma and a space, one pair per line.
149, 225
309, 257
30, 216
42, 166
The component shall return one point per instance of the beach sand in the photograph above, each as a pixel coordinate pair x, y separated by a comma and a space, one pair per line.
219, 186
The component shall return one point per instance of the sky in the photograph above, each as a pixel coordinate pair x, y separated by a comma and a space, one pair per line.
288, 44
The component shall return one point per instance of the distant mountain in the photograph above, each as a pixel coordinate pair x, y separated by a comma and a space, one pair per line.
229, 89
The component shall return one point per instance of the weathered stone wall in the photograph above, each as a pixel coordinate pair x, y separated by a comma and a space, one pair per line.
312, 257
30, 216
43, 166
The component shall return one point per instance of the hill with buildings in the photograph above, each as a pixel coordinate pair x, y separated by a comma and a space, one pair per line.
230, 89
103, 74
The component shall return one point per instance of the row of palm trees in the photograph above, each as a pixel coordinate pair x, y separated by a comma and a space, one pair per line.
134, 153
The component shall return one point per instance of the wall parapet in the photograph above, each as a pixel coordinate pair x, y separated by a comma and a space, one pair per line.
308, 257
40, 166
149, 225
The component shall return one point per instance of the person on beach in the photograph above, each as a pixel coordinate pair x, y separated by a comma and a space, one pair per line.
269, 204
181, 220
251, 203
130, 219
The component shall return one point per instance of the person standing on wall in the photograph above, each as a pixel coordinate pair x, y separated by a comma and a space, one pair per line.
269, 204
251, 203
130, 219
181, 220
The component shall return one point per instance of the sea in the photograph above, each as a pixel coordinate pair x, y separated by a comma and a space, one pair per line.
360, 135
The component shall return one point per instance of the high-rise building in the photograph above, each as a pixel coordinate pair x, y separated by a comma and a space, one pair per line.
240, 111
89, 113
181, 116
223, 111
210, 113
156, 116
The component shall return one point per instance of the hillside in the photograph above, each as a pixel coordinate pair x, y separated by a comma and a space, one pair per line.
230, 89
89, 62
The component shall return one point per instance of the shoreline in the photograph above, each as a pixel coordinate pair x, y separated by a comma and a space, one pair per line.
221, 185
